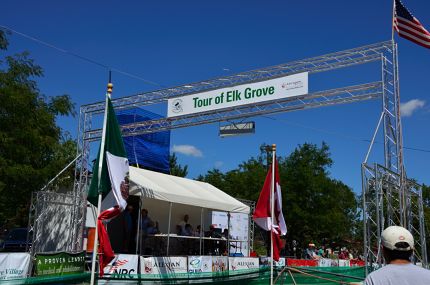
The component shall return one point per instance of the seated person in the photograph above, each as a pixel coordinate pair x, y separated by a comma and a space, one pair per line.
152, 228
188, 231
198, 231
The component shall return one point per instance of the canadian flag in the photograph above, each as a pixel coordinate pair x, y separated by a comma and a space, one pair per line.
263, 213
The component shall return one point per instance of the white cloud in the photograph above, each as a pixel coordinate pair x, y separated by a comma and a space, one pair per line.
408, 108
187, 150
218, 164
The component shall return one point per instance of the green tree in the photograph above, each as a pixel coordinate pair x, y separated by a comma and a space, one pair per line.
175, 168
316, 207
32, 147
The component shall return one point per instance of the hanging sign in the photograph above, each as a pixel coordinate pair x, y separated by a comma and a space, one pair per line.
197, 264
163, 265
278, 88
14, 265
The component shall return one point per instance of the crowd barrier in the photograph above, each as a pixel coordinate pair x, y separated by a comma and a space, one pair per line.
324, 262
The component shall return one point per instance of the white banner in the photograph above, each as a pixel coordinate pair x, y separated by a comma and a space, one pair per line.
343, 262
238, 230
325, 262
265, 261
14, 265
283, 87
219, 263
123, 265
163, 265
197, 264
240, 263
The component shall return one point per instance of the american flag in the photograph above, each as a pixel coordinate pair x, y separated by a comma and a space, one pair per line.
409, 27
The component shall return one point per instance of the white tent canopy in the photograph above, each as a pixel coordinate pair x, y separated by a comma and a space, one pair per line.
178, 190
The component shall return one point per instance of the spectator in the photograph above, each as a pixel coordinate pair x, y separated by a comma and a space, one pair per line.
144, 221
198, 231
397, 248
152, 228
183, 223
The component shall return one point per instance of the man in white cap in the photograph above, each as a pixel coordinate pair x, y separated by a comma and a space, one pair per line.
397, 248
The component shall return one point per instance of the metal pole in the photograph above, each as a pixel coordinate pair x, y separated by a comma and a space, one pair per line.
228, 234
272, 209
373, 138
201, 230
138, 235
168, 228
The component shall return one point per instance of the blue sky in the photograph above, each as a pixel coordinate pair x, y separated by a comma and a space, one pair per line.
178, 42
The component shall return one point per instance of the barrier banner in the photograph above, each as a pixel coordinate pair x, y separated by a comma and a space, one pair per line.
343, 263
301, 262
219, 263
240, 263
123, 265
355, 262
326, 262
60, 263
14, 265
265, 261
198, 264
163, 265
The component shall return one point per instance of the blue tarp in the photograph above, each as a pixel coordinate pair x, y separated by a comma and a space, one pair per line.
149, 151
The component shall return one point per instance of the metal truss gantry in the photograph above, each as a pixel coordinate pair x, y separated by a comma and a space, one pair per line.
387, 89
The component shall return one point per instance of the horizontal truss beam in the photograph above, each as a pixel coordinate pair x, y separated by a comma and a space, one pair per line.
318, 99
341, 59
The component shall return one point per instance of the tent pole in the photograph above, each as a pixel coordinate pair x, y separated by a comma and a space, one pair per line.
168, 228
138, 235
228, 234
201, 230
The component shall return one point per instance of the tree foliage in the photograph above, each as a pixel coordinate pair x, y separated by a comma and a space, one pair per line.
316, 207
175, 168
32, 147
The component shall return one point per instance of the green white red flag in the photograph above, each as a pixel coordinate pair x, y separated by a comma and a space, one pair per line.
112, 182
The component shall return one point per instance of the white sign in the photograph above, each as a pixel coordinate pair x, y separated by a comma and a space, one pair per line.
283, 87
197, 264
14, 265
239, 223
123, 265
163, 265
240, 263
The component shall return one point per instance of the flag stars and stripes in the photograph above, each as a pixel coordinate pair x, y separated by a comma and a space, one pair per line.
409, 27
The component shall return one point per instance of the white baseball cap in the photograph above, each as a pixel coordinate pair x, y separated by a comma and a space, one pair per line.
394, 238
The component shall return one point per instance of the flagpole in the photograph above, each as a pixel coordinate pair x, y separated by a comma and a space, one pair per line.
99, 172
392, 22
272, 209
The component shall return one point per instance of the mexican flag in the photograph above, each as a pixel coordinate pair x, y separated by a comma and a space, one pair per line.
112, 182
110, 178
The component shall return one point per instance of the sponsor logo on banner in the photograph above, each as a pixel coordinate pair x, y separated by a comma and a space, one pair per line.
343, 262
14, 265
163, 265
325, 262
283, 87
219, 263
123, 265
265, 261
198, 264
60, 263
240, 263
